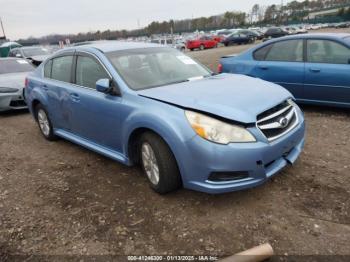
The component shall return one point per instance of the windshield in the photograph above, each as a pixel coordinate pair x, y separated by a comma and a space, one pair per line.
151, 67
30, 52
15, 66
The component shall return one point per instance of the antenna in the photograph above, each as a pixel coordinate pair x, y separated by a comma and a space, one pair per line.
2, 27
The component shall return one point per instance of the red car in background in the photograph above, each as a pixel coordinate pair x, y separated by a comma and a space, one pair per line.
202, 43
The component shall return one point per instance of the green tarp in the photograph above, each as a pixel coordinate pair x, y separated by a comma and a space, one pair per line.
6, 47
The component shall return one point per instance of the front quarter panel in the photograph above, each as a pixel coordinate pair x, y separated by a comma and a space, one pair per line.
166, 120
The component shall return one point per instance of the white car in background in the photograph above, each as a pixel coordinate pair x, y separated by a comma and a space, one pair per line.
13, 72
179, 44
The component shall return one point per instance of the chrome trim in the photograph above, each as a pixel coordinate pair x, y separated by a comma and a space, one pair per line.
99, 60
287, 131
278, 125
275, 114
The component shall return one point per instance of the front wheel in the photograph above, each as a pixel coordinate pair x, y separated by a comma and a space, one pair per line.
159, 164
44, 123
201, 47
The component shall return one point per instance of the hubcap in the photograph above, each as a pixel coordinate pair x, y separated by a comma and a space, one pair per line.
150, 164
43, 122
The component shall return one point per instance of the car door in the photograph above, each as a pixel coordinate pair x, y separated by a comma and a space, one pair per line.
327, 71
212, 42
58, 86
96, 115
282, 63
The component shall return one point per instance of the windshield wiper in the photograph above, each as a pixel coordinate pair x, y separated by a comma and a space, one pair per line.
171, 83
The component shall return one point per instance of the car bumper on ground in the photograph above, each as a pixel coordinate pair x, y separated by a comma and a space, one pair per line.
246, 164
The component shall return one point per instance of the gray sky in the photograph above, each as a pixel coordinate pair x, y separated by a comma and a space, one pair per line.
24, 18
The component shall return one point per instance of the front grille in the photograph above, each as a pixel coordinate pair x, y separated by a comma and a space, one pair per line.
278, 120
18, 103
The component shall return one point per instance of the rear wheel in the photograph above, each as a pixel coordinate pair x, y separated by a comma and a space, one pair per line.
159, 164
201, 47
44, 123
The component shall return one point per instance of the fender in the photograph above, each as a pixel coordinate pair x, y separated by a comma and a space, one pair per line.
175, 131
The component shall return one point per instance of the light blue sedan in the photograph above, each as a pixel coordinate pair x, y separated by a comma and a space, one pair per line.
315, 68
153, 105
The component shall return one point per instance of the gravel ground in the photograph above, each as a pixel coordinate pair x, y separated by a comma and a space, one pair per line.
58, 198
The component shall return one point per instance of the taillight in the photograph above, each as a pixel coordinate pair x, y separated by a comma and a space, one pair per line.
219, 68
26, 82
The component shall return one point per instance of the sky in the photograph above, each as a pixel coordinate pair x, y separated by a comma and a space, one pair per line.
25, 18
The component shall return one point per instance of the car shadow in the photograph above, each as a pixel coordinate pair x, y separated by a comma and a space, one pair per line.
325, 110
12, 113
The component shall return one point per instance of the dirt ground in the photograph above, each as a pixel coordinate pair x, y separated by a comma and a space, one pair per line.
58, 198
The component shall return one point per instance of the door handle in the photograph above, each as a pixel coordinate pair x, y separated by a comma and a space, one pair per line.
315, 70
45, 87
263, 67
74, 97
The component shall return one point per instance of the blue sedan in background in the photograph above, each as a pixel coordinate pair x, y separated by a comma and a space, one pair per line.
315, 68
153, 105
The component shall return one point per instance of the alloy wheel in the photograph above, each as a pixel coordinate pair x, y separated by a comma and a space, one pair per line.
150, 164
43, 122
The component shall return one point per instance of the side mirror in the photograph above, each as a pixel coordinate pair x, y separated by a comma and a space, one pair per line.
103, 85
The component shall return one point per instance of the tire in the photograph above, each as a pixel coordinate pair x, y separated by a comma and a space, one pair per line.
169, 178
44, 123
191, 49
201, 47
183, 49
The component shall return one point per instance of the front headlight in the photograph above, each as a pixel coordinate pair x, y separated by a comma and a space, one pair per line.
217, 131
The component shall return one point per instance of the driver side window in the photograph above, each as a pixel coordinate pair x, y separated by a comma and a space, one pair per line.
89, 71
325, 51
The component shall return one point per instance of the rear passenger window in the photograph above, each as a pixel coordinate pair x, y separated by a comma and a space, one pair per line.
89, 71
261, 53
325, 51
61, 68
288, 51
47, 69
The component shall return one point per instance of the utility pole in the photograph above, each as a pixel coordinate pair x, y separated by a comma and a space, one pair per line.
2, 27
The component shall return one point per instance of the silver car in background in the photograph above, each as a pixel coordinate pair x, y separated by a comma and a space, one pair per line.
13, 72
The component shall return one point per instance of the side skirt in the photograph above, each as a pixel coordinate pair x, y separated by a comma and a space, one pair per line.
93, 146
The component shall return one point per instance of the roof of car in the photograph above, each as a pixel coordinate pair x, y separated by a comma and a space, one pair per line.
110, 46
318, 35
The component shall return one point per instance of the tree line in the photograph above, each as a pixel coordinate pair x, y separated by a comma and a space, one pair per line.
272, 14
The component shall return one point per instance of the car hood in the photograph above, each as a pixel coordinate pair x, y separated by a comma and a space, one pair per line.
231, 96
14, 80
